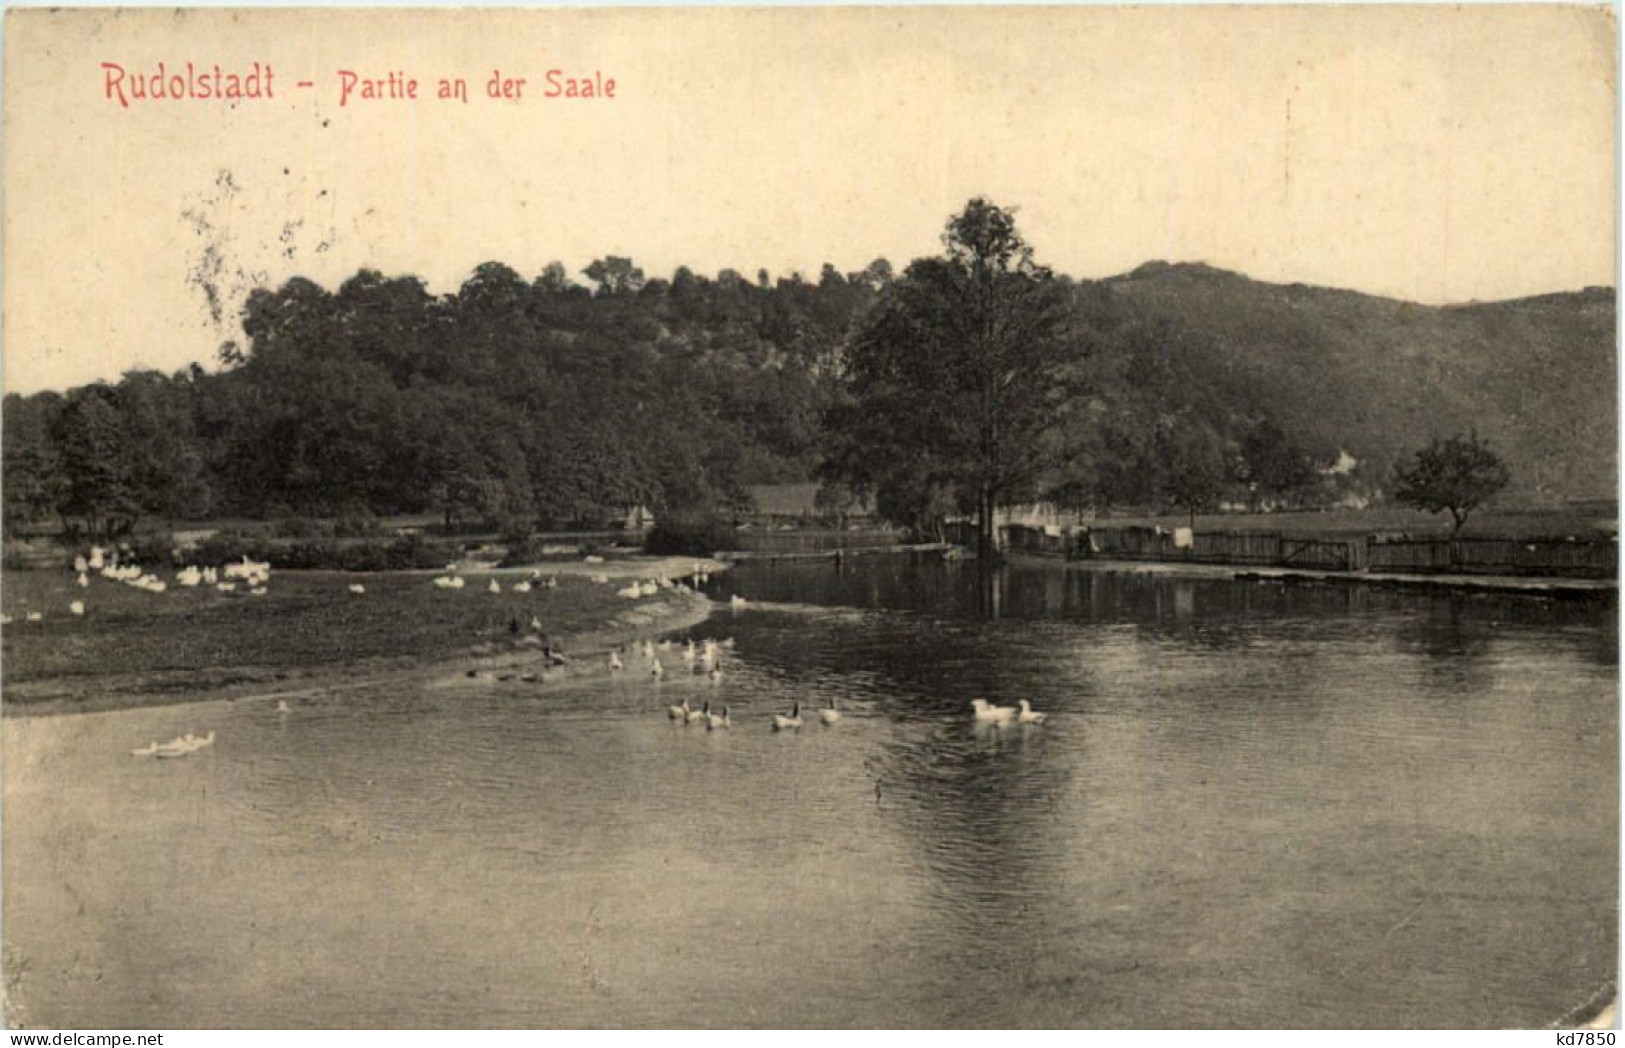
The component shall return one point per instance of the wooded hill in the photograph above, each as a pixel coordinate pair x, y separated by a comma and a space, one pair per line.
543, 401
1378, 376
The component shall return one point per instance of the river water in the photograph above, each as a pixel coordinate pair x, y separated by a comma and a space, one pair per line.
1252, 805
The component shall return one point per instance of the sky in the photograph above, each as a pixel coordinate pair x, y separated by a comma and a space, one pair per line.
1434, 154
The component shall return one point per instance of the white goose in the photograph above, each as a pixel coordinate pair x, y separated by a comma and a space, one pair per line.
713, 722
783, 723
1028, 715
657, 671
614, 662
678, 713
990, 714
700, 714
829, 714
178, 747
357, 588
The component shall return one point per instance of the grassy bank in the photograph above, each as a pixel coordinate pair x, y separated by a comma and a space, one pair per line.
132, 647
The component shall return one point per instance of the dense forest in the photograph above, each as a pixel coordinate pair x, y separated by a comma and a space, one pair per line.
550, 403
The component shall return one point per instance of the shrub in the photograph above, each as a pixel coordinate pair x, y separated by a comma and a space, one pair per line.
534, 549
516, 531
231, 545
356, 522
690, 535
403, 553
150, 548
300, 528
17, 556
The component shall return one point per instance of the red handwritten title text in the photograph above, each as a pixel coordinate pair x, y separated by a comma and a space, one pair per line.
256, 81
164, 83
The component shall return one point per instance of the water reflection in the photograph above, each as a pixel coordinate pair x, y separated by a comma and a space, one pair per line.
1253, 804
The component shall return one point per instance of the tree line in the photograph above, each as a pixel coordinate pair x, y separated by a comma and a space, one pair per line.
973, 379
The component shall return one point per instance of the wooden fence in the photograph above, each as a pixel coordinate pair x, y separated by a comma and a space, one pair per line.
764, 540
1575, 558
1587, 557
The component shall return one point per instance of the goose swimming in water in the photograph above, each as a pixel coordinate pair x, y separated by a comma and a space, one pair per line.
679, 713
656, 670
182, 746
700, 714
989, 714
783, 723
1029, 715
713, 722
829, 714
614, 662
283, 707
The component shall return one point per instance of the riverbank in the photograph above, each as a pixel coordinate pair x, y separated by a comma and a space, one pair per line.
309, 633
842, 553
1536, 586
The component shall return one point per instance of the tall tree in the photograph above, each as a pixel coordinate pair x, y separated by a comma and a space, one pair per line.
964, 369
98, 497
1457, 474
614, 275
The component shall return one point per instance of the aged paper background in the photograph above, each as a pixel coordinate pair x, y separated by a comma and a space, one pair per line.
1433, 154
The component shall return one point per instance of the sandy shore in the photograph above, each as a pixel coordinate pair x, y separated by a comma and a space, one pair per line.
519, 664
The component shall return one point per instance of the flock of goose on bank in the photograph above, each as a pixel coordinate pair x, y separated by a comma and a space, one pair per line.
704, 659
252, 576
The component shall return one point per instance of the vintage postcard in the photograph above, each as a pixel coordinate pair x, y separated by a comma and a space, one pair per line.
831, 517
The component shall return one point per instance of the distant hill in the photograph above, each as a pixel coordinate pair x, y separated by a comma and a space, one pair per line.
1376, 376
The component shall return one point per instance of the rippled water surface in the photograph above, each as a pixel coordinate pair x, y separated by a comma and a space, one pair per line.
1253, 805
